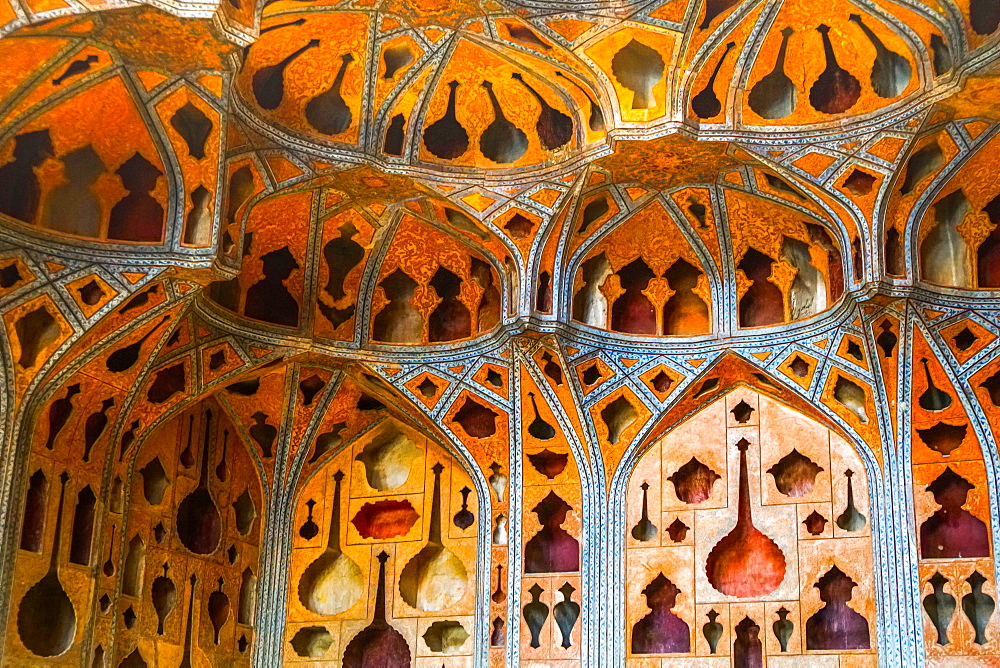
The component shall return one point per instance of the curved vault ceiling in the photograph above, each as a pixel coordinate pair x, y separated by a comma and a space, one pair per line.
430, 209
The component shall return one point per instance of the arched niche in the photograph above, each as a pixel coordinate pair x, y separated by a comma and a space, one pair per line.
146, 179
788, 265
188, 539
953, 523
956, 237
433, 288
748, 535
644, 278
397, 492
552, 500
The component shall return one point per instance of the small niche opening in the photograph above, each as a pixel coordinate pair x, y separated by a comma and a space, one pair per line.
519, 226
590, 306
35, 504
166, 384
194, 127
35, 331
920, 165
762, 304
396, 58
82, 541
894, 263
543, 297
859, 182
450, 320
91, 293
965, 339
685, 313
633, 312
135, 563
639, 68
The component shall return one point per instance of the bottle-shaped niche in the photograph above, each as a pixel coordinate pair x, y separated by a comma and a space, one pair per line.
109, 564
566, 612
783, 628
46, 618
435, 578
539, 428
269, 82
498, 595
378, 644
644, 530
836, 90
851, 519
535, 613
464, 518
445, 137
774, 95
199, 524
712, 631
164, 597
978, 606
502, 141
940, 607
706, 104
497, 481
745, 563
933, 398
333, 582
218, 609
309, 528
328, 112
891, 72
554, 128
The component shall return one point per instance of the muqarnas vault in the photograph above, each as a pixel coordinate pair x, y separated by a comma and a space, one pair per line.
499, 333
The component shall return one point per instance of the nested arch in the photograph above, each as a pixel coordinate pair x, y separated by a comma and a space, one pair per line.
748, 515
788, 265
150, 183
434, 287
384, 556
642, 277
955, 242
190, 528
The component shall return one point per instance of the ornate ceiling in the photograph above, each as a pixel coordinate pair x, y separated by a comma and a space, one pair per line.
324, 269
